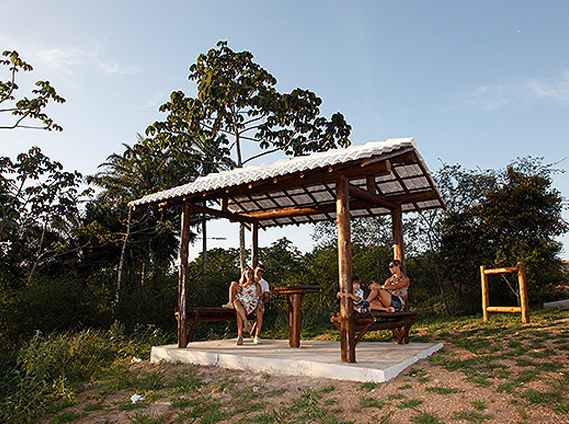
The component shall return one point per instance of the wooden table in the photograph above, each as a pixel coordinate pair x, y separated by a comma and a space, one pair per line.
294, 295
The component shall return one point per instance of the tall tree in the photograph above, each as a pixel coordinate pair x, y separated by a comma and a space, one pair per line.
151, 235
39, 210
22, 110
237, 102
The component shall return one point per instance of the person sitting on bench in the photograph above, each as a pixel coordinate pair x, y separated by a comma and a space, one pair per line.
234, 288
392, 295
247, 301
358, 296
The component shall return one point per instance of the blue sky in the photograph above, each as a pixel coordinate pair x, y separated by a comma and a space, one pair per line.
477, 83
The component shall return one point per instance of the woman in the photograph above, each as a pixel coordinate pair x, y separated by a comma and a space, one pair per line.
392, 295
246, 302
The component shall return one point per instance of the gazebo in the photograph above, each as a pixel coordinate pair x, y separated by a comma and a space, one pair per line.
379, 178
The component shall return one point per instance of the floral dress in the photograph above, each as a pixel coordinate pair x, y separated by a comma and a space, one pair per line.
248, 297
401, 293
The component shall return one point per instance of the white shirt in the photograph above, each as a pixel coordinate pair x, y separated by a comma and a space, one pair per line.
264, 285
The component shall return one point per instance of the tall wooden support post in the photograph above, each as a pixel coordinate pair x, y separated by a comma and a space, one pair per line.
347, 339
397, 228
254, 244
183, 278
485, 295
523, 292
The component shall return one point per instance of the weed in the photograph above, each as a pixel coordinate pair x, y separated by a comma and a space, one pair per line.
328, 389
150, 382
534, 396
471, 416
405, 387
271, 417
90, 407
186, 382
369, 386
410, 403
274, 393
507, 387
527, 375
68, 417
367, 402
140, 418
561, 408
479, 405
398, 396
442, 390
222, 387
545, 353
425, 418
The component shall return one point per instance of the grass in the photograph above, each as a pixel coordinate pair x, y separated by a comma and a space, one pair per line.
502, 356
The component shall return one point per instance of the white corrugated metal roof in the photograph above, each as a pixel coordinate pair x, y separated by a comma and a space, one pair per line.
406, 178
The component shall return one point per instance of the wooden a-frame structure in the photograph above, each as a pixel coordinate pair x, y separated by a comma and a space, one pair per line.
379, 178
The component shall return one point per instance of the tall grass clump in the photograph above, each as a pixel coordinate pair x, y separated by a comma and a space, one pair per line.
54, 367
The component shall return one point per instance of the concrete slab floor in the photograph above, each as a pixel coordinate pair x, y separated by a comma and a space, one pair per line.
376, 361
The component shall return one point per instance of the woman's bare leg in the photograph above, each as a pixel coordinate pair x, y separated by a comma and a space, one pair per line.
259, 315
240, 311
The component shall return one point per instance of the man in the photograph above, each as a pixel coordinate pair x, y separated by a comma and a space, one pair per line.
266, 290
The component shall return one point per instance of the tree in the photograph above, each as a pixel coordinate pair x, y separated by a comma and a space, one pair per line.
498, 219
39, 211
237, 102
25, 108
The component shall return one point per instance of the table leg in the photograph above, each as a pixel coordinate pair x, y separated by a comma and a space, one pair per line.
294, 301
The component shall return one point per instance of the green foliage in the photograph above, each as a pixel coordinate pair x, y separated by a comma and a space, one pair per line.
25, 109
53, 368
237, 101
492, 220
39, 214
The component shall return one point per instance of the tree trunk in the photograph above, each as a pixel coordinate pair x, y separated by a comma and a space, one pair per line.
121, 263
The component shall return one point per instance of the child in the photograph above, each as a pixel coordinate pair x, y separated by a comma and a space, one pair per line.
357, 297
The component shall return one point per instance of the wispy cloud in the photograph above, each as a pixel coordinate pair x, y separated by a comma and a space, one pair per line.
523, 93
70, 59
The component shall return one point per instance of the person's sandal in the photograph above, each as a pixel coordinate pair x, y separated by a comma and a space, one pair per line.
247, 327
239, 341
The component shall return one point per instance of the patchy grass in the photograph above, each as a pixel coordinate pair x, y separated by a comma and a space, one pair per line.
523, 367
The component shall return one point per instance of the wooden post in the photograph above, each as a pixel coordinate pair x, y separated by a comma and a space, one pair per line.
347, 339
523, 292
397, 228
294, 300
254, 245
485, 295
183, 278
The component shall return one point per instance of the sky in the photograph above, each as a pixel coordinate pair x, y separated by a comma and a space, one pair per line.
479, 83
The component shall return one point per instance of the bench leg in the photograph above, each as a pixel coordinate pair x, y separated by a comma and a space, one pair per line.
402, 333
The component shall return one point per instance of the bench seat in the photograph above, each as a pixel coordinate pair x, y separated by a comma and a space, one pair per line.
398, 322
211, 314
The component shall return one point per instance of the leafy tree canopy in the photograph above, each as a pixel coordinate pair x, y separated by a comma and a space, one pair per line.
25, 109
237, 101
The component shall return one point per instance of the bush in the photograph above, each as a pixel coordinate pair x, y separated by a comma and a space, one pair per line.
55, 366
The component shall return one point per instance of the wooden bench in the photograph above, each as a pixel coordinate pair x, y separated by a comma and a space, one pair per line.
398, 322
213, 314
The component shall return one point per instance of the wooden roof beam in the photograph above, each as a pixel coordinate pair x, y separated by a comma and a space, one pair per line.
224, 214
373, 198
